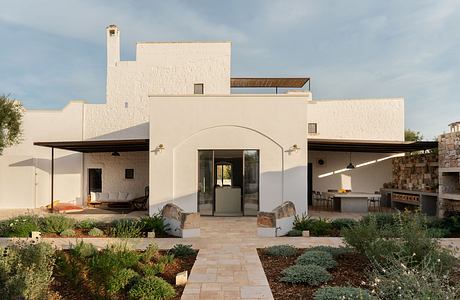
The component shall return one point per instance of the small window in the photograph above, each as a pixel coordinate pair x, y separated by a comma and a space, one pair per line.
129, 173
312, 128
112, 32
198, 89
126, 104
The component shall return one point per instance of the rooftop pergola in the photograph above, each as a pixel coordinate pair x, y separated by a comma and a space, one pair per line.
269, 82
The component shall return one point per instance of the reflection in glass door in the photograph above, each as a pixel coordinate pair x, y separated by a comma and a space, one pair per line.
206, 182
251, 182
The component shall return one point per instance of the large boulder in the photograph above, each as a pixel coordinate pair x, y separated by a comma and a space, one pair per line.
278, 222
180, 223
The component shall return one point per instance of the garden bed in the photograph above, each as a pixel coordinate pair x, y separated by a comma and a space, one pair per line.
351, 270
62, 288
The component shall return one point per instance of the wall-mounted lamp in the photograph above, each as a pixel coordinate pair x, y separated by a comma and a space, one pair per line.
158, 149
294, 148
115, 153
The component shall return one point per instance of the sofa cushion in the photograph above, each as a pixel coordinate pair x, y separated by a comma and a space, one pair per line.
95, 197
130, 196
122, 196
104, 197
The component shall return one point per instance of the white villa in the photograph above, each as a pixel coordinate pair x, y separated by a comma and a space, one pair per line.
173, 122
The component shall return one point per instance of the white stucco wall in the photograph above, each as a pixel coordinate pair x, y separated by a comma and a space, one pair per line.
368, 178
270, 123
113, 171
169, 68
25, 168
361, 119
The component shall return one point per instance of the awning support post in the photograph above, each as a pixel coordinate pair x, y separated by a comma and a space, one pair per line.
52, 179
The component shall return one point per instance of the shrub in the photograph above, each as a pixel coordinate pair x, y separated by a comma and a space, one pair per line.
26, 271
57, 223
407, 237
119, 280
107, 267
345, 293
181, 250
126, 228
83, 250
396, 280
382, 220
339, 224
334, 251
68, 233
281, 250
437, 232
154, 223
294, 232
166, 259
152, 270
320, 258
310, 274
367, 238
150, 252
22, 226
317, 227
86, 224
95, 232
302, 222
151, 288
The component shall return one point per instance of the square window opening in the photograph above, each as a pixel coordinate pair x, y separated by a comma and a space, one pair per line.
198, 88
312, 128
129, 173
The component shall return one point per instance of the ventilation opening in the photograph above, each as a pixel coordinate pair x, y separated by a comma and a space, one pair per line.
112, 32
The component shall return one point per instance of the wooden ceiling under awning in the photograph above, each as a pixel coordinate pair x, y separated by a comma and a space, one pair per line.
99, 145
265, 82
369, 146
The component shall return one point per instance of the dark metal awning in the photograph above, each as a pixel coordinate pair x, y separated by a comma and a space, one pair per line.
369, 146
99, 145
268, 82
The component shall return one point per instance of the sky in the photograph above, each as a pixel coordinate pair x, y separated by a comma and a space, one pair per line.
54, 51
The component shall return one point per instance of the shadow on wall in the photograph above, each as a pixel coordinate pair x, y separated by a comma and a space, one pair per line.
271, 182
140, 131
69, 164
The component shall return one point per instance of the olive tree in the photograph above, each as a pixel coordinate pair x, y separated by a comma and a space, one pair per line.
11, 112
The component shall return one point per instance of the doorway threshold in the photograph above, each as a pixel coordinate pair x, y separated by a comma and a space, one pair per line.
238, 214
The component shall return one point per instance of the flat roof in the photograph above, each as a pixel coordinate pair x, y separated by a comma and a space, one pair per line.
268, 82
369, 146
92, 146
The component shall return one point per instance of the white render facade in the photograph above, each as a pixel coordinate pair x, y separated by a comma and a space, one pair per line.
153, 98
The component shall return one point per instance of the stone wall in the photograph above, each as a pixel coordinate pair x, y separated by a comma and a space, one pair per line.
416, 172
449, 162
449, 150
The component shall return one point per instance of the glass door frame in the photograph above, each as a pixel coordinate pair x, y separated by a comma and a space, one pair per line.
214, 178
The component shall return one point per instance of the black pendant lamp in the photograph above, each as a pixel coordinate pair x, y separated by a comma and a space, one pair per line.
350, 165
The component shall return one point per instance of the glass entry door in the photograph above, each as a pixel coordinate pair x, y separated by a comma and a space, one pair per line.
206, 182
228, 182
251, 182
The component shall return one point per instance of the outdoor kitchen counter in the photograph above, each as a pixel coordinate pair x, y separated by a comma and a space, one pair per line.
352, 202
425, 201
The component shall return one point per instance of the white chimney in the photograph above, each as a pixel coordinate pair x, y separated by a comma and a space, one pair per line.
113, 45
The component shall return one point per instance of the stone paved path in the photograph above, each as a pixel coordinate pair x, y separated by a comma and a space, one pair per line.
227, 266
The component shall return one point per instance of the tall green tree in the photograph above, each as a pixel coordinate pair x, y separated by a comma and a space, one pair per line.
11, 112
412, 136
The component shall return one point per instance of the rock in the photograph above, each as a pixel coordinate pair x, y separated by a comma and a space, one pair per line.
36, 235
190, 220
181, 278
287, 209
266, 219
151, 234
306, 233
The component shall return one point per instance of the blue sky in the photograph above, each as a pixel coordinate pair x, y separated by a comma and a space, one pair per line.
54, 51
